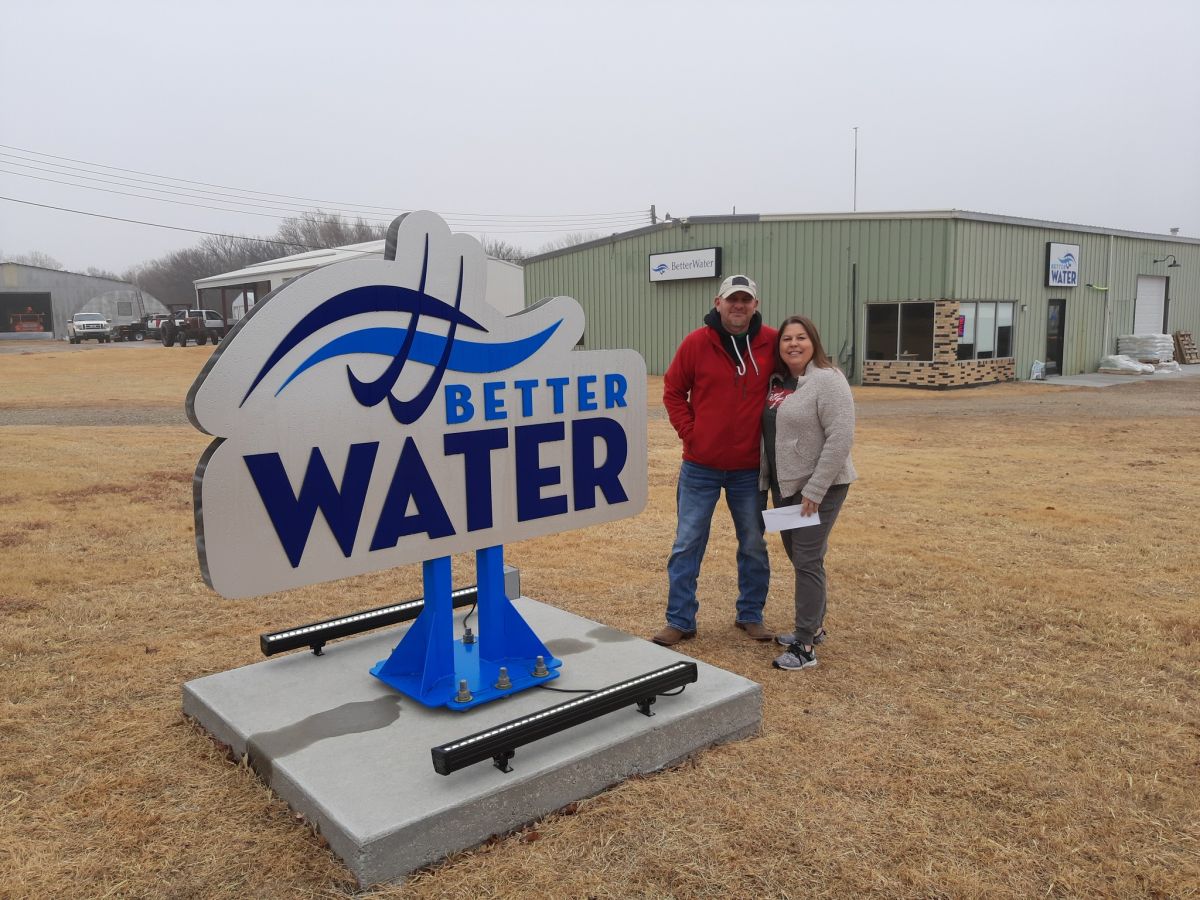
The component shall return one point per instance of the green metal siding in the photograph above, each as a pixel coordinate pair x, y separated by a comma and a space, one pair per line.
996, 261
801, 267
804, 266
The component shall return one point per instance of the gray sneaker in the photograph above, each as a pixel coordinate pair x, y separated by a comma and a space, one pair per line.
795, 657
786, 640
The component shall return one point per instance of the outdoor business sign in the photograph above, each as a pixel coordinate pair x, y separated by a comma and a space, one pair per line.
377, 412
1062, 265
705, 263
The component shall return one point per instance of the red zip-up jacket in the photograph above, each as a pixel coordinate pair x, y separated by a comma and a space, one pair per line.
716, 412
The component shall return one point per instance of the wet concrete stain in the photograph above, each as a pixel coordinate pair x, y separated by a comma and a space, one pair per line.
606, 635
567, 646
264, 748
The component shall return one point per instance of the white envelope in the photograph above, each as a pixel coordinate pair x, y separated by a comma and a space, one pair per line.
783, 518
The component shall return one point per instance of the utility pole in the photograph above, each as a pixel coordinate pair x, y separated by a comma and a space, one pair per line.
653, 215
855, 201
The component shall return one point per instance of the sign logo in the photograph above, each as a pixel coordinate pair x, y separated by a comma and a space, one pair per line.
375, 413
1062, 265
705, 263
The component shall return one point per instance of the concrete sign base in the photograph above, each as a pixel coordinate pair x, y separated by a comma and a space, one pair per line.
353, 756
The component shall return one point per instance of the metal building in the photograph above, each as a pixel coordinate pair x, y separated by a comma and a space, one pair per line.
934, 299
37, 303
233, 294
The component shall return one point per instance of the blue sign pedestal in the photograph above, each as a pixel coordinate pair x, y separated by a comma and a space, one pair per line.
430, 666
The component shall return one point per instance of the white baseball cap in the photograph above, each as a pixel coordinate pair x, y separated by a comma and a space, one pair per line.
738, 284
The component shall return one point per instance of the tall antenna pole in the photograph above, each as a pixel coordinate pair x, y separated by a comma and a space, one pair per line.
855, 208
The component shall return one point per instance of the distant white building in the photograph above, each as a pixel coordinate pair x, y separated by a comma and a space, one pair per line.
234, 293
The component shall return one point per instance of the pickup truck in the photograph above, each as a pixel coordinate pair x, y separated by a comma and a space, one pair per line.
154, 325
133, 331
89, 326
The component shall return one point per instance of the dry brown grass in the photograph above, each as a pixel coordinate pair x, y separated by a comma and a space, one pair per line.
1008, 705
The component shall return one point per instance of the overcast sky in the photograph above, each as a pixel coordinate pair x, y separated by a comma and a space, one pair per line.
587, 113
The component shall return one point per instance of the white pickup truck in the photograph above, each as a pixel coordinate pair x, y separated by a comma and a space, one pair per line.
89, 326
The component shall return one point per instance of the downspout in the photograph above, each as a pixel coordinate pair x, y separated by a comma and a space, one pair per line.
854, 320
1107, 291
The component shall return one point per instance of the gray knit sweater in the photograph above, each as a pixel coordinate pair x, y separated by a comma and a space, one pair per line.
814, 429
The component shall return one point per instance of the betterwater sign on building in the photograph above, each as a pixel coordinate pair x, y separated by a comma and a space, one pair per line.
705, 263
1062, 265
375, 413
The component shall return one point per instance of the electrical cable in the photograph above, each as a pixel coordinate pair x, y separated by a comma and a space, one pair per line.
80, 212
507, 218
512, 228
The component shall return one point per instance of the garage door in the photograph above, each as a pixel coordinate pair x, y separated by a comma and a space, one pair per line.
1150, 305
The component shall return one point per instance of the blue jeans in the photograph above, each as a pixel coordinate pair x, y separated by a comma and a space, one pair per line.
696, 499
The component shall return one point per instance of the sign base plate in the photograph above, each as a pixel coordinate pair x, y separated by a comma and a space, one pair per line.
353, 756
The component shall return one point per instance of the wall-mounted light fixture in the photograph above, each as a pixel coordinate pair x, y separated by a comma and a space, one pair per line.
1173, 264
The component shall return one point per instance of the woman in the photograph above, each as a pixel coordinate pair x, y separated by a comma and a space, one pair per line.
808, 427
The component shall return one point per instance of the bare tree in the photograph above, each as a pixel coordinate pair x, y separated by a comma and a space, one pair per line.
170, 277
498, 249
319, 230
37, 258
569, 240
101, 273
228, 252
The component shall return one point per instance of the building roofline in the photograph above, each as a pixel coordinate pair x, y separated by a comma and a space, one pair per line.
9, 262
645, 229
301, 262
966, 215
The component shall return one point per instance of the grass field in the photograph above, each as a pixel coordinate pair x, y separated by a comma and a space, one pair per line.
1008, 706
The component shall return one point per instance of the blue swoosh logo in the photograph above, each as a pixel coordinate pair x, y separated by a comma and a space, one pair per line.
465, 356
370, 298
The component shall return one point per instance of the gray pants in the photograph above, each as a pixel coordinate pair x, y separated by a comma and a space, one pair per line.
806, 549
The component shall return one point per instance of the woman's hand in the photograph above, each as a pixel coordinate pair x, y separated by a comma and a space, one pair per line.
807, 507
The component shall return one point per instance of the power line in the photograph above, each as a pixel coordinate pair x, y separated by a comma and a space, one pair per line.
288, 244
92, 187
195, 195
502, 228
505, 218
218, 197
80, 212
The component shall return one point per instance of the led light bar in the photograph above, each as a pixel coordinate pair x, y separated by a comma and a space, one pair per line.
500, 743
318, 634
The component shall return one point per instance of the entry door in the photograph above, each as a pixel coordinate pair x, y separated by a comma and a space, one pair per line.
1150, 307
1056, 332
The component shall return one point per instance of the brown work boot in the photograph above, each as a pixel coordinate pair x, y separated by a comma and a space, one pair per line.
670, 636
756, 630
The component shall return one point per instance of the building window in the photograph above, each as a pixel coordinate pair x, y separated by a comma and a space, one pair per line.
902, 331
985, 330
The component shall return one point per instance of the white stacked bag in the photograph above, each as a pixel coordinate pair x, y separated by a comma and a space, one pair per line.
1123, 365
1151, 348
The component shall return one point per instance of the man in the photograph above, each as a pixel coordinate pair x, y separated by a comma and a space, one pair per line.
714, 393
